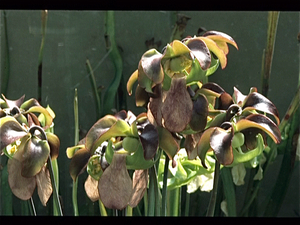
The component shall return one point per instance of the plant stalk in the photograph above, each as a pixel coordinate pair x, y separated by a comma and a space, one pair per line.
213, 197
95, 90
164, 189
111, 92
268, 53
40, 62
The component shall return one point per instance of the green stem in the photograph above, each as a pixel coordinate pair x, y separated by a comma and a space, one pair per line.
286, 170
76, 140
187, 204
229, 191
5, 77
102, 208
174, 202
110, 94
40, 62
268, 54
164, 189
213, 197
129, 211
95, 90
31, 207
56, 202
151, 196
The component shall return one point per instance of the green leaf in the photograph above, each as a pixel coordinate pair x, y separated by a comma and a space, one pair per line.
29, 103
130, 144
214, 65
137, 161
240, 157
132, 79
196, 74
10, 131
94, 168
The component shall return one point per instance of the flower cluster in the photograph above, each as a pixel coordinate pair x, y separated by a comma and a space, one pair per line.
27, 140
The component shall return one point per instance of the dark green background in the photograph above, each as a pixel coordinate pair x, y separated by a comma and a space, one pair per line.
74, 36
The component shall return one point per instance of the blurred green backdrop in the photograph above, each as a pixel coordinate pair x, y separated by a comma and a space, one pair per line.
74, 36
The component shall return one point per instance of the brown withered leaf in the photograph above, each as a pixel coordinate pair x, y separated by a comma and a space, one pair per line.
44, 186
115, 184
190, 144
91, 188
20, 186
178, 107
140, 181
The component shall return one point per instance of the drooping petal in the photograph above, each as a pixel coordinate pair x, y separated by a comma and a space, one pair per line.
149, 141
262, 122
200, 51
200, 112
54, 143
259, 102
44, 186
20, 186
219, 37
14, 103
98, 129
177, 108
204, 145
44, 111
190, 145
10, 131
151, 64
174, 49
167, 142
141, 97
212, 46
220, 142
30, 103
225, 100
34, 157
238, 97
140, 182
79, 162
132, 79
91, 188
115, 184
119, 128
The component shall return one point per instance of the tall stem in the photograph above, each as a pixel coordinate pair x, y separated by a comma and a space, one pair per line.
164, 189
268, 53
213, 197
56, 201
40, 62
76, 140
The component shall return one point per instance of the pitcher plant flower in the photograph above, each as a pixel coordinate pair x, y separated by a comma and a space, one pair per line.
115, 144
28, 145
